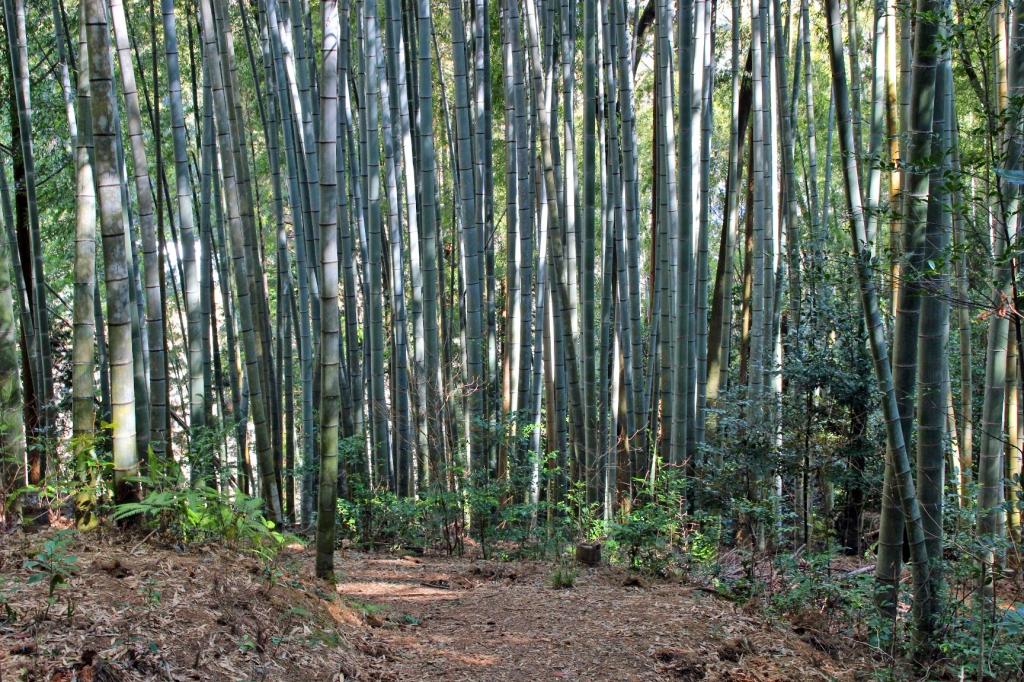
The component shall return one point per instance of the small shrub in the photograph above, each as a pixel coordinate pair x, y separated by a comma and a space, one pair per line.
379, 518
203, 513
562, 578
56, 565
648, 536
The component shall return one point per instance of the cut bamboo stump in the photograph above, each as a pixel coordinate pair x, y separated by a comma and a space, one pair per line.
588, 554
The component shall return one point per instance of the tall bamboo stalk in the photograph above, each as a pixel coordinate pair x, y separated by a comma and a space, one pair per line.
264, 451
897, 450
198, 399
156, 349
115, 259
330, 356
83, 384
40, 351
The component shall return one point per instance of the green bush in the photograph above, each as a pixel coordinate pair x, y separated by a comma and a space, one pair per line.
203, 513
380, 519
647, 537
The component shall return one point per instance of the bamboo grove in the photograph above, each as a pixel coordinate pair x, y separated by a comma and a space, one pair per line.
299, 249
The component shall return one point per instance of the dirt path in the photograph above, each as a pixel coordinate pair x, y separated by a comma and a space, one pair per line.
440, 619
137, 609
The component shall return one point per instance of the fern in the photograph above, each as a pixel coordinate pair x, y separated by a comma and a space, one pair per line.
201, 513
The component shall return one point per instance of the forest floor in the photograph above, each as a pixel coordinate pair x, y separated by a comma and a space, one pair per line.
135, 608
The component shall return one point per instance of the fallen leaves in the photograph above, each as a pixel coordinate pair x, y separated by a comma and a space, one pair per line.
149, 611
483, 620
146, 611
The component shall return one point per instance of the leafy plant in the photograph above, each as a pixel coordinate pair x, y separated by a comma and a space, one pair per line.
150, 592
379, 518
563, 577
584, 516
646, 536
365, 607
202, 513
9, 614
56, 565
482, 499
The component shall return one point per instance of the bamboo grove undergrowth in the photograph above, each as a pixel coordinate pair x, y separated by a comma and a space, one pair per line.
540, 256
